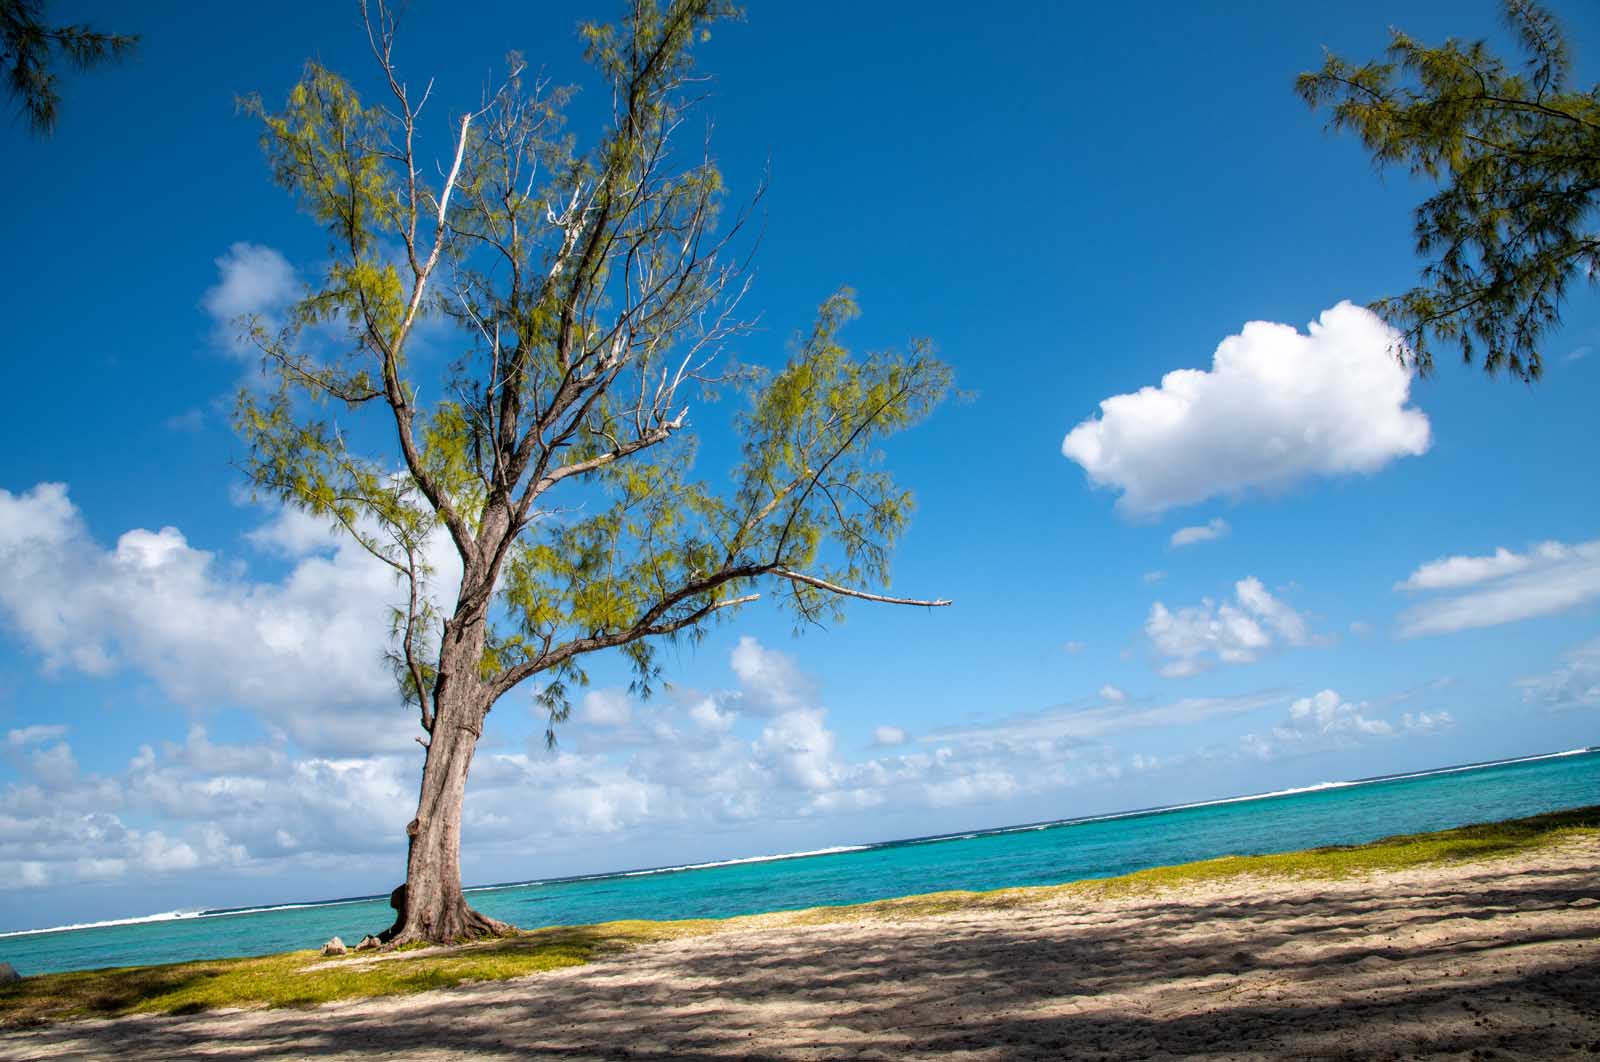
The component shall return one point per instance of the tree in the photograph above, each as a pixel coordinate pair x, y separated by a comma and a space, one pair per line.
27, 45
1516, 151
590, 292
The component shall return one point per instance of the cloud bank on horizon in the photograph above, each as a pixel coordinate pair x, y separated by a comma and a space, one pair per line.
1276, 407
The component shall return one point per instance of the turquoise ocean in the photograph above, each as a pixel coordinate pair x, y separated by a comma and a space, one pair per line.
1033, 854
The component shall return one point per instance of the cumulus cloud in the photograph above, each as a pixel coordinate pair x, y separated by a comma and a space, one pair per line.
769, 681
1206, 532
1502, 587
1193, 639
1277, 407
1112, 695
1327, 721
1575, 684
305, 652
252, 281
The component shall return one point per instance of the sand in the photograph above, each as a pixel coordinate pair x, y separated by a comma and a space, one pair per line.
1494, 959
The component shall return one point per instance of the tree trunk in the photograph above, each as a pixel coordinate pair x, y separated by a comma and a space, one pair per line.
431, 908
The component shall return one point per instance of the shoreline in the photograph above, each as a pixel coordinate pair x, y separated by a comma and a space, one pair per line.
1433, 941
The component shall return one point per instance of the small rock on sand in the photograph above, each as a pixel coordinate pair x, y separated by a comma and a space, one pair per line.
369, 942
8, 975
334, 947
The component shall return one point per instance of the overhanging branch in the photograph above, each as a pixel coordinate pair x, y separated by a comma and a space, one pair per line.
845, 591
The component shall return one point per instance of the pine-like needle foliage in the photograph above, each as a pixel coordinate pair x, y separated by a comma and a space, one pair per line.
28, 46
1515, 150
587, 294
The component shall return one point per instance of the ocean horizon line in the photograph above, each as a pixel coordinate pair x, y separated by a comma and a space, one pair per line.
1045, 824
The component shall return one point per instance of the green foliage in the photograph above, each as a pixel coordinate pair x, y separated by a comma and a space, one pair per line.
27, 47
305, 978
1515, 152
588, 293
810, 445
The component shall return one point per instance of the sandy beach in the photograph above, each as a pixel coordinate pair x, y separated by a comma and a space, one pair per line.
1497, 959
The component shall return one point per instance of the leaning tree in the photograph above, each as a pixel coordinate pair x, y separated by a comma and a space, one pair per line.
1515, 150
570, 302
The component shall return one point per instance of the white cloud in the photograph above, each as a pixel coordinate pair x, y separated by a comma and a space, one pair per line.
1426, 722
1325, 713
1575, 684
1327, 721
1276, 408
1503, 587
887, 736
706, 714
1112, 695
1194, 638
1188, 536
969, 788
607, 708
1452, 573
1285, 622
304, 652
799, 747
1152, 578
252, 280
769, 681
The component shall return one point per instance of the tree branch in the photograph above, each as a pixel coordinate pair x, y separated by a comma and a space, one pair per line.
845, 591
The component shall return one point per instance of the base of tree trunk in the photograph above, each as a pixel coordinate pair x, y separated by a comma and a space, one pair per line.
455, 924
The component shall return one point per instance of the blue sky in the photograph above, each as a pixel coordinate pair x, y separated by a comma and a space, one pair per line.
1330, 571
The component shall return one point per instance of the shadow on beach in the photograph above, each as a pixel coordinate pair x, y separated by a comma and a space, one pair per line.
1484, 960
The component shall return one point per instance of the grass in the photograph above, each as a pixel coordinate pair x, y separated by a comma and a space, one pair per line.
305, 978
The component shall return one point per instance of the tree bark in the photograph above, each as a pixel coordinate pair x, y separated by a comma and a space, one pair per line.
430, 906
